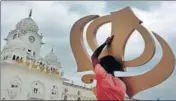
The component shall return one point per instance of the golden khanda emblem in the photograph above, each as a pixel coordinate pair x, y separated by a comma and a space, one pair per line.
124, 22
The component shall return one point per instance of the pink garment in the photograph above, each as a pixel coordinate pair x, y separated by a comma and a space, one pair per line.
108, 86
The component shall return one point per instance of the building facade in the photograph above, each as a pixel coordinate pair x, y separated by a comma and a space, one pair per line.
25, 75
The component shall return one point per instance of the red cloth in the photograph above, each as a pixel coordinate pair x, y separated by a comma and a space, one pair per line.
108, 86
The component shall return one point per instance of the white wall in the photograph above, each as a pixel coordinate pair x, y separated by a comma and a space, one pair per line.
27, 77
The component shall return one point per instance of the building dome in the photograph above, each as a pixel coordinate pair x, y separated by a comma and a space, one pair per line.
51, 57
27, 24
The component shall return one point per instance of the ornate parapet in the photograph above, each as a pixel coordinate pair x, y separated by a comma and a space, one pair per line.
77, 86
35, 96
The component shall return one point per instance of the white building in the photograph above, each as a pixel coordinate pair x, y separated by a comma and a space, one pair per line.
25, 75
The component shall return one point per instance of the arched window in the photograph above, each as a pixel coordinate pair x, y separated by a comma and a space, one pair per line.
15, 36
14, 87
65, 98
21, 59
79, 99
14, 57
54, 92
78, 93
38, 88
17, 58
35, 90
3, 98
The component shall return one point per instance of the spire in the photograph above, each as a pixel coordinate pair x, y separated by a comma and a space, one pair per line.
30, 13
158, 99
52, 50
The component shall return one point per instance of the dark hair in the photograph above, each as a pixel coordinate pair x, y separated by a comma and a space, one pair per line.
111, 64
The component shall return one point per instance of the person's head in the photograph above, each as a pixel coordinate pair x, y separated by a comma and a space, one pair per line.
111, 64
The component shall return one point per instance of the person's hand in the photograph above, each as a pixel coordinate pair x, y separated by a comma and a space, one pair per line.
109, 40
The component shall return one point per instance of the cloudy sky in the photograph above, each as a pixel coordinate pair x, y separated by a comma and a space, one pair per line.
55, 20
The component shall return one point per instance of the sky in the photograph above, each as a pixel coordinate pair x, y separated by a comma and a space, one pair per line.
55, 20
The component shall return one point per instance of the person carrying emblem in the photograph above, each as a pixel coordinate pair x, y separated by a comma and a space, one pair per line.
108, 87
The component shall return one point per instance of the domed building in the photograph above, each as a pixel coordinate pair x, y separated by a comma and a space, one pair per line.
51, 58
25, 75
26, 25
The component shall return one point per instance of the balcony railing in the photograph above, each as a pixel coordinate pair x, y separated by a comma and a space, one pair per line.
35, 96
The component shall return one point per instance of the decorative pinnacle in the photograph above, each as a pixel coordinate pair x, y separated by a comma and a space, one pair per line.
30, 14
52, 50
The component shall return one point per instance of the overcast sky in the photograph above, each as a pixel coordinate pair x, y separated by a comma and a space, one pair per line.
55, 20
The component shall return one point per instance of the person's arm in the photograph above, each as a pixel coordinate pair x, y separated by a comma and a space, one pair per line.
97, 52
